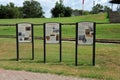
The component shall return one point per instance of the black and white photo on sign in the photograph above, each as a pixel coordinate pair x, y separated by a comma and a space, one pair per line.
85, 33
52, 33
24, 32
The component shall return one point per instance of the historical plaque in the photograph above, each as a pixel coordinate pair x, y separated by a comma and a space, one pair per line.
85, 33
52, 32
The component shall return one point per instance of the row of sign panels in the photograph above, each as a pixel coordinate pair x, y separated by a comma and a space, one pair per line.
85, 32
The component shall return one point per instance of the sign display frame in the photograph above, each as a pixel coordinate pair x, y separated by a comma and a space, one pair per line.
24, 34
85, 31
52, 35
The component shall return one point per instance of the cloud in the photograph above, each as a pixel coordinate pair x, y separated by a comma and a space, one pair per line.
17, 3
47, 5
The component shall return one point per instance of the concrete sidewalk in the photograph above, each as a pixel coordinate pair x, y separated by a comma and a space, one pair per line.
23, 75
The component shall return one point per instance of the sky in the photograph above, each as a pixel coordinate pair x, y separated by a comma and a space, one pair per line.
47, 5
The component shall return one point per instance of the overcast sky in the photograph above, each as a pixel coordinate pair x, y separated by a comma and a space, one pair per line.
47, 5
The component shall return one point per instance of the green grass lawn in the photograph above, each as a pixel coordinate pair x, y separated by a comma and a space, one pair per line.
107, 59
95, 18
103, 31
107, 55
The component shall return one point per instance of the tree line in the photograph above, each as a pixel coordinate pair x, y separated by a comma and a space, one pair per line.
33, 9
30, 9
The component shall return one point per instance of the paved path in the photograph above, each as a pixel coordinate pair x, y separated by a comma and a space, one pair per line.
23, 75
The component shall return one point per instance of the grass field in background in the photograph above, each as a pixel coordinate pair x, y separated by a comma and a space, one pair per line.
94, 18
103, 31
107, 59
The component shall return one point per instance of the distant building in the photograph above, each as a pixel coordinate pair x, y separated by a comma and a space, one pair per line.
115, 2
76, 12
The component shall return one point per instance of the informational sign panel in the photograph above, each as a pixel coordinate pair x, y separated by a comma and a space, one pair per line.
85, 33
24, 32
52, 32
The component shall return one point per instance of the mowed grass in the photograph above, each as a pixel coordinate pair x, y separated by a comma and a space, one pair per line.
103, 31
94, 18
108, 31
107, 59
107, 55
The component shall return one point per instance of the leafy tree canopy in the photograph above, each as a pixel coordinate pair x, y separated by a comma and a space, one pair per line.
32, 9
60, 10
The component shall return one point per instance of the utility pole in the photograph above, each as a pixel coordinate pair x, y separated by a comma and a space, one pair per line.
61, 3
60, 9
82, 7
112, 6
93, 5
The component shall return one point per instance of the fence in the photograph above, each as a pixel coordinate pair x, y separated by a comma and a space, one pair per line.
68, 30
65, 38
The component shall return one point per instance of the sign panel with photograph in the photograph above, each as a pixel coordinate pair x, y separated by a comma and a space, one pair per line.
85, 33
52, 32
24, 32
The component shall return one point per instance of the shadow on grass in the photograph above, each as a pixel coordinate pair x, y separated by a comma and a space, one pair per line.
14, 59
25, 58
28, 60
7, 59
83, 64
39, 61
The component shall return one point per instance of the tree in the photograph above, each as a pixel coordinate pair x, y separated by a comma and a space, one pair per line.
60, 10
32, 9
76, 12
68, 12
106, 9
2, 11
86, 12
13, 12
96, 9
9, 11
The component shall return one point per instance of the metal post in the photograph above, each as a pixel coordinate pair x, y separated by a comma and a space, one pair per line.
76, 46
32, 42
60, 42
17, 43
44, 43
94, 45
